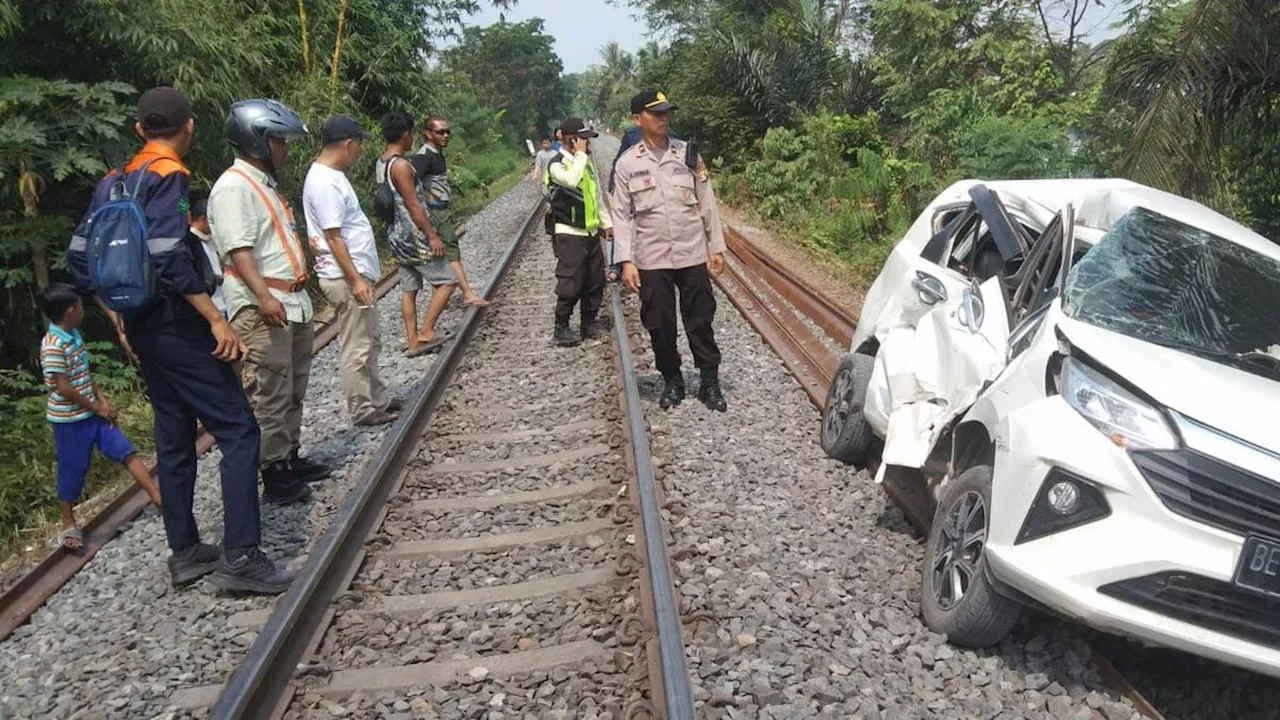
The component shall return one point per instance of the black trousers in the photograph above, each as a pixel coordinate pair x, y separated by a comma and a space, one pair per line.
698, 308
579, 277
187, 384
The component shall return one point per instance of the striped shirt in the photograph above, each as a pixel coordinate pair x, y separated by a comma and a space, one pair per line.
63, 352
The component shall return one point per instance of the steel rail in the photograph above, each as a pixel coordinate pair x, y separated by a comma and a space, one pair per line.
676, 690
262, 683
837, 322
25, 596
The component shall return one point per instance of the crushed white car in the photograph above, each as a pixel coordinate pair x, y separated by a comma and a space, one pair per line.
1087, 374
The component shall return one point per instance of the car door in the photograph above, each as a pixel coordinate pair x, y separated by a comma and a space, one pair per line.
930, 279
934, 371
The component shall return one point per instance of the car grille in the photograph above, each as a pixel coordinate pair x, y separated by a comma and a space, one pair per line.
1210, 491
1210, 604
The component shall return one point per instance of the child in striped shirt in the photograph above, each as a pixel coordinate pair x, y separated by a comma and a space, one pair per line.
79, 413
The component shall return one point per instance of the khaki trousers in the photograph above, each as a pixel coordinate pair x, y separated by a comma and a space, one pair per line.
359, 345
275, 379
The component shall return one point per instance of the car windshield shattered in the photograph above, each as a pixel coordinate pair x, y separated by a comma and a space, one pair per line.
1165, 282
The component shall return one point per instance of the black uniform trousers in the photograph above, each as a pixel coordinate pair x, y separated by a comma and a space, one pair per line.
187, 383
697, 307
579, 277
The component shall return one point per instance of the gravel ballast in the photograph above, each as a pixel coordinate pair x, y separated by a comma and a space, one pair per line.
501, 428
117, 641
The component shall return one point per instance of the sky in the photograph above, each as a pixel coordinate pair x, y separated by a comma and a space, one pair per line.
579, 34
580, 27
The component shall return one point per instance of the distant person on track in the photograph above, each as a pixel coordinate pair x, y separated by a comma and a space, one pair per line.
81, 416
184, 347
414, 241
668, 239
200, 231
556, 144
265, 289
347, 263
578, 211
433, 172
541, 160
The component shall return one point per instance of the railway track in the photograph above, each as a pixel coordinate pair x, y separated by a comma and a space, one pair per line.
505, 547
30, 591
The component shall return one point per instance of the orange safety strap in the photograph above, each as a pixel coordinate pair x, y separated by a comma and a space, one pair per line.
299, 270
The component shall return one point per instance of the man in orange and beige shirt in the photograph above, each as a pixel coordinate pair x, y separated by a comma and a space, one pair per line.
265, 288
667, 235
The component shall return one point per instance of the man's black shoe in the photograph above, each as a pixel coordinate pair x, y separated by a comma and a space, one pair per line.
190, 564
251, 572
564, 337
672, 394
710, 395
306, 469
281, 487
594, 331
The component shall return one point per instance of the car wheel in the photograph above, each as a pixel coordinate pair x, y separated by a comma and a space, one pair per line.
846, 436
957, 598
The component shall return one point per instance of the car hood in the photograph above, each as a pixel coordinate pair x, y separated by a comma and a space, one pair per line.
1233, 401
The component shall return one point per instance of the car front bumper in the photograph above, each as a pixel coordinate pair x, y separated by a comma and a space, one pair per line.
1140, 551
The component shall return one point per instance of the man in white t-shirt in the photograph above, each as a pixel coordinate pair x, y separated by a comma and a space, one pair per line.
347, 263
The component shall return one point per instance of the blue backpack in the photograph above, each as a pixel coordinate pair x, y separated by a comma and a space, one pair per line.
119, 261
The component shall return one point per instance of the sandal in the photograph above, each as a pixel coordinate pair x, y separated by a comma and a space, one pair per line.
429, 345
72, 533
478, 302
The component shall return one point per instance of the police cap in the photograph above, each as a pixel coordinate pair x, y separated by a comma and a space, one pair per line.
576, 126
651, 101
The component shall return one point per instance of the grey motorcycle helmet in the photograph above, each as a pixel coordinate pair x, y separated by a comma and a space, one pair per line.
251, 122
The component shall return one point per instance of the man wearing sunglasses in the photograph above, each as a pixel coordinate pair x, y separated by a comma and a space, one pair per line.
433, 171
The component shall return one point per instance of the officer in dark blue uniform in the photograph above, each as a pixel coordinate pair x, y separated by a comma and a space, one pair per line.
184, 345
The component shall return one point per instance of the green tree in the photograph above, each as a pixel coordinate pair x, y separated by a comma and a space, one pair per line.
512, 66
1213, 89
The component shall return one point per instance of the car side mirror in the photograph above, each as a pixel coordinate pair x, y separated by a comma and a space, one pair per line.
972, 310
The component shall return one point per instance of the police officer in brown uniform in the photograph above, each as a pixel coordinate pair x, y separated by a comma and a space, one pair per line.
668, 238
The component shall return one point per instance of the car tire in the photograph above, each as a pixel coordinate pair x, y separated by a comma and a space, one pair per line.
846, 435
977, 617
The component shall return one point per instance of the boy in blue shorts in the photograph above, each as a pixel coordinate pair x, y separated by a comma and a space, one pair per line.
80, 414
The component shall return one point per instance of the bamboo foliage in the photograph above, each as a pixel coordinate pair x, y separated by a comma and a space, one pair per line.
337, 50
302, 30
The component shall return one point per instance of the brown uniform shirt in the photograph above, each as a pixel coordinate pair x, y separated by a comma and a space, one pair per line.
665, 215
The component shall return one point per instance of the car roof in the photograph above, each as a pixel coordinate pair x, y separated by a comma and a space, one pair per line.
1102, 210
1100, 202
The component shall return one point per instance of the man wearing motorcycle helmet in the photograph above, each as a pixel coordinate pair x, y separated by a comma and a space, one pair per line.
265, 287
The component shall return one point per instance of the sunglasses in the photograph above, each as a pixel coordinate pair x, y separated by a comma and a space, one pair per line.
446, 131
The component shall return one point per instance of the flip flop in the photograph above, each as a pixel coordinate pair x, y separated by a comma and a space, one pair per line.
72, 533
478, 302
430, 345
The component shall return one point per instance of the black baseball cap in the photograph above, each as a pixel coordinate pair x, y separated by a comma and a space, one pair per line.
163, 110
339, 128
651, 101
576, 126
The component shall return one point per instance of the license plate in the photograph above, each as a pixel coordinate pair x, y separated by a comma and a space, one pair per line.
1259, 567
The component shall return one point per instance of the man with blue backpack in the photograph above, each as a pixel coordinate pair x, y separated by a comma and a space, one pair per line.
132, 251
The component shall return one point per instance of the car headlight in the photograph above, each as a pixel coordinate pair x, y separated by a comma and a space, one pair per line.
1126, 420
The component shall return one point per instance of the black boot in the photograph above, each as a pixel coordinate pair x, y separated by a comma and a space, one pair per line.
307, 470
564, 337
709, 391
594, 330
280, 486
672, 393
